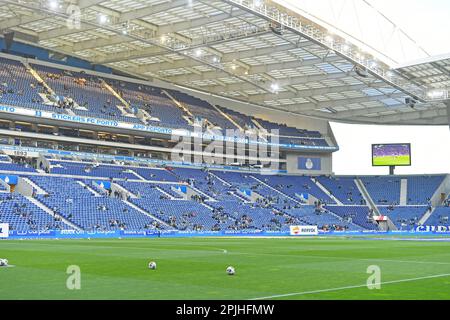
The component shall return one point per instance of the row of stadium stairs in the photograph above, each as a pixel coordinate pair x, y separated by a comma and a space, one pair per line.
109, 196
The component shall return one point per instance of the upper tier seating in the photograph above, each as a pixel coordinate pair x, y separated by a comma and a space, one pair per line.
242, 120
86, 90
19, 88
152, 100
284, 130
202, 109
286, 135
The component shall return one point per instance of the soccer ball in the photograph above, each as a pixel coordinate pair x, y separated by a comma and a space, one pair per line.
3, 262
230, 271
152, 265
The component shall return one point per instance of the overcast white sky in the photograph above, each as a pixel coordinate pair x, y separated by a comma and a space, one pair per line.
430, 148
428, 23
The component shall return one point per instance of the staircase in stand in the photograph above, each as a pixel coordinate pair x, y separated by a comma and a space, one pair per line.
50, 212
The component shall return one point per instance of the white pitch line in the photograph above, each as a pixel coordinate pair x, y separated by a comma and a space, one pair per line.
342, 258
350, 287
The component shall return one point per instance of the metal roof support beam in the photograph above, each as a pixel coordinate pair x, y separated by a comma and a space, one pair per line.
291, 81
313, 92
341, 102
361, 112
136, 54
135, 14
227, 57
211, 75
414, 115
272, 13
447, 104
21, 20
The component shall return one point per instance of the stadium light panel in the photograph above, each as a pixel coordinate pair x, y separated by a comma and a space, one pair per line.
275, 87
198, 52
102, 19
436, 94
53, 4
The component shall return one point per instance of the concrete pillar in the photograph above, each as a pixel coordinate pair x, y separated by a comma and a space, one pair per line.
447, 103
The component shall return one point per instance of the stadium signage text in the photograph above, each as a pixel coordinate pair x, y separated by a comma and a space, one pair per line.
436, 229
304, 231
72, 234
153, 129
4, 230
32, 151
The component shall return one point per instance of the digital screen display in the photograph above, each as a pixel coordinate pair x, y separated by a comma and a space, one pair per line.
398, 154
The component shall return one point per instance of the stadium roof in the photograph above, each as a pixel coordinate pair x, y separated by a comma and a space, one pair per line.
250, 50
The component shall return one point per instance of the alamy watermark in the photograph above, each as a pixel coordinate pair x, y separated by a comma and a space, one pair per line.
73, 281
374, 280
212, 147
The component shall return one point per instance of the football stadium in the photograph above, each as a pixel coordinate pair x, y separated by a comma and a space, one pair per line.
184, 150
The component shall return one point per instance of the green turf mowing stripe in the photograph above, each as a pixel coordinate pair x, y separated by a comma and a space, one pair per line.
350, 287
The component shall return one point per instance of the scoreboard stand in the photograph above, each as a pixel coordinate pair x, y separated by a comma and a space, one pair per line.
391, 170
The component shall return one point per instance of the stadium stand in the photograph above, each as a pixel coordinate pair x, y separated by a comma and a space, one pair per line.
19, 88
69, 199
154, 102
219, 200
342, 188
82, 94
295, 186
91, 97
356, 214
22, 215
405, 218
383, 190
440, 217
422, 188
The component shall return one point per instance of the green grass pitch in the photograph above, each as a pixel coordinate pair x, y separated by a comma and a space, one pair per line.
194, 268
392, 161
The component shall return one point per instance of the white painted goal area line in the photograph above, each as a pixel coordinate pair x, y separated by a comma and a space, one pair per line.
351, 287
